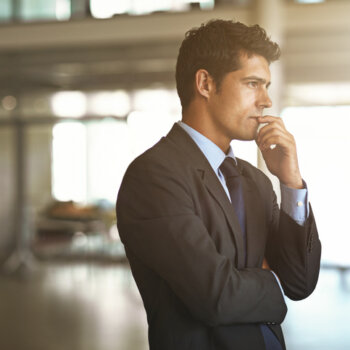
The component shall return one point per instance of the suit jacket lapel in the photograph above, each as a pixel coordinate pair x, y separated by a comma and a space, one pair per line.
212, 183
216, 190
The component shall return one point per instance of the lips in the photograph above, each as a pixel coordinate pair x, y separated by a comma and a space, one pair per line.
255, 118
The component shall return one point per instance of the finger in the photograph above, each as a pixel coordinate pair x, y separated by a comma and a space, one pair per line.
274, 132
270, 128
270, 119
275, 139
267, 122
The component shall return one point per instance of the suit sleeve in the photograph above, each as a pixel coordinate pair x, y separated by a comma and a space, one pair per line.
294, 252
157, 222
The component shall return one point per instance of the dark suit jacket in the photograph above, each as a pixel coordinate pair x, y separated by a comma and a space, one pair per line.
185, 248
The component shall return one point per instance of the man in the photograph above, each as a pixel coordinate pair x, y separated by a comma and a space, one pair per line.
201, 241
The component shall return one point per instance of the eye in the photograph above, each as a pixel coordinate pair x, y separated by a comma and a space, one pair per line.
253, 84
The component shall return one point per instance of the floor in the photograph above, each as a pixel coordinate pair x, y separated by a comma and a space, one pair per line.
95, 306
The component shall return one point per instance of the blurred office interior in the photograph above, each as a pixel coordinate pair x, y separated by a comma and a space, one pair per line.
85, 87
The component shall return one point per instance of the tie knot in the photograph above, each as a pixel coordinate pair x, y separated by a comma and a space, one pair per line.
229, 168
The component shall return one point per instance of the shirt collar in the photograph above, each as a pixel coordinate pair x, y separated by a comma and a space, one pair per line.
212, 152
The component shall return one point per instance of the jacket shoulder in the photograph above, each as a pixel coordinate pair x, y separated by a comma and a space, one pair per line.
164, 155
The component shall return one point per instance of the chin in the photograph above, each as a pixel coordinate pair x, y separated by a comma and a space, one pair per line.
245, 135
249, 137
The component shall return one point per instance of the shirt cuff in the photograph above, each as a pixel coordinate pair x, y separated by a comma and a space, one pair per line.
295, 203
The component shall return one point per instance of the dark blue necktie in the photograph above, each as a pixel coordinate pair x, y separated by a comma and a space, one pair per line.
234, 185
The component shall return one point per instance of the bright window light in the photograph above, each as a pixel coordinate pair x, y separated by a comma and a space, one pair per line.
89, 160
147, 128
156, 100
322, 136
69, 104
109, 103
319, 94
207, 5
309, 1
45, 9
63, 9
109, 8
246, 150
5, 10
203, 4
69, 162
109, 151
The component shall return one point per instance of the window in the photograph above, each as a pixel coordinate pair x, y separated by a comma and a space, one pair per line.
323, 146
5, 10
109, 8
69, 162
89, 158
45, 9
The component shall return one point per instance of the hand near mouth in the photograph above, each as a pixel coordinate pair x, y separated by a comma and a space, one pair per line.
278, 148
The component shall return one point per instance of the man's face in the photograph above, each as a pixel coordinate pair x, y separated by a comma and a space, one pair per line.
242, 97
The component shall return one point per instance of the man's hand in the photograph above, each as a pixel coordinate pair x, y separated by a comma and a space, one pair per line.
265, 265
282, 160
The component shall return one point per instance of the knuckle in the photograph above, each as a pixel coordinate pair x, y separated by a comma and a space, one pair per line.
279, 138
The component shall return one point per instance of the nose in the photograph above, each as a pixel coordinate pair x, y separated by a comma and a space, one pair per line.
264, 100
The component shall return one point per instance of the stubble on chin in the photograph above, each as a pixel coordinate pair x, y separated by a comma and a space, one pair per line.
253, 134
256, 132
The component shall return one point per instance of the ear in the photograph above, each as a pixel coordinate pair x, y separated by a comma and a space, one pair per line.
204, 83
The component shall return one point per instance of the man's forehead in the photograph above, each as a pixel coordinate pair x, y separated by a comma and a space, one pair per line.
246, 56
254, 65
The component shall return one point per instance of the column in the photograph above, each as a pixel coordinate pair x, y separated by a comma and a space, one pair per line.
269, 14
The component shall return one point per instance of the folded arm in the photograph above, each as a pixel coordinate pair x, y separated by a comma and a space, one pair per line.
294, 250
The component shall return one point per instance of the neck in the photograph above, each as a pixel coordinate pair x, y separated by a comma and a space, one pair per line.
198, 119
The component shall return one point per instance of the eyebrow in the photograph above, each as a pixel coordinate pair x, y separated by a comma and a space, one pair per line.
260, 80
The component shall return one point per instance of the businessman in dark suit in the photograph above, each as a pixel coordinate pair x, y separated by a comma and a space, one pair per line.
212, 273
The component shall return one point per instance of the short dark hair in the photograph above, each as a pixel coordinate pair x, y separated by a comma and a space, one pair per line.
216, 46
